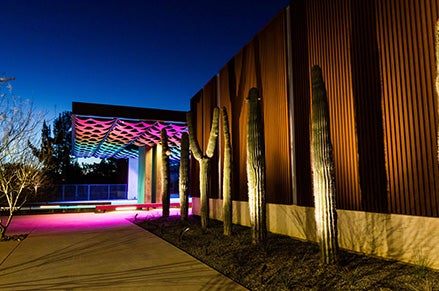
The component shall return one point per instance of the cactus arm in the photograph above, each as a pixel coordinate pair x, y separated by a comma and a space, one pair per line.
194, 146
213, 133
204, 162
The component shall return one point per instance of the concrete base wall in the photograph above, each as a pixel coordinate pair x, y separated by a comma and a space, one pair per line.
411, 239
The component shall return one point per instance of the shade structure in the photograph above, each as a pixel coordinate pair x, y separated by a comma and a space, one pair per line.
108, 131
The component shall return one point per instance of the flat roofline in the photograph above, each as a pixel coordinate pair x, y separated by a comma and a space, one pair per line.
116, 111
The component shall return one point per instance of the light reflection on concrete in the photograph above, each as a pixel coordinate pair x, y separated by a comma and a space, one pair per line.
99, 251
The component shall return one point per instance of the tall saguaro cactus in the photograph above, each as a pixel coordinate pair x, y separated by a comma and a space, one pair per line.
184, 176
204, 161
165, 174
227, 176
323, 171
256, 167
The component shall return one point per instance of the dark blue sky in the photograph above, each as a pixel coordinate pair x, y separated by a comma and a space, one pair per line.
146, 53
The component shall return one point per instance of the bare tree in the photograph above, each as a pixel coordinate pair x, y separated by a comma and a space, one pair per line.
6, 79
20, 171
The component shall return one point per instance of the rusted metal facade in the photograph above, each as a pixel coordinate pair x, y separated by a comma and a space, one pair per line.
378, 64
405, 37
262, 64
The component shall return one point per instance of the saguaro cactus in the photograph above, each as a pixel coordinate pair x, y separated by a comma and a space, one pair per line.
227, 176
256, 167
323, 171
165, 173
184, 176
204, 161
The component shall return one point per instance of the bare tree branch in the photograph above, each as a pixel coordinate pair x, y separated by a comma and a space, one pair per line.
6, 79
20, 171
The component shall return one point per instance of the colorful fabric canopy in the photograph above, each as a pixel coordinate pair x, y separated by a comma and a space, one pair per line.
119, 137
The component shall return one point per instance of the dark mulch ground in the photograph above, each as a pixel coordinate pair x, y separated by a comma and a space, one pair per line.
284, 263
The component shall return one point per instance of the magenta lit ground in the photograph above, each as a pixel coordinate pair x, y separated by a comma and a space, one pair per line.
99, 251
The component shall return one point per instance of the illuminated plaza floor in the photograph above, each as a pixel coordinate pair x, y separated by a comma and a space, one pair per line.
99, 251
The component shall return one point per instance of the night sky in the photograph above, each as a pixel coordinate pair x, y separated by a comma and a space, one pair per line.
154, 54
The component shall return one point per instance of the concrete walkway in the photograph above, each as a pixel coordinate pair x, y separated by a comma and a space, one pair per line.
93, 251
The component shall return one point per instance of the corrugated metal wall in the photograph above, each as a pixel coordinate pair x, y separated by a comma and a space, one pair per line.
271, 64
328, 46
366, 92
300, 97
232, 97
209, 103
262, 64
405, 32
378, 64
197, 121
202, 105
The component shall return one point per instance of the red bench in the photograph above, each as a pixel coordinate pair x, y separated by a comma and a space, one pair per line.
142, 206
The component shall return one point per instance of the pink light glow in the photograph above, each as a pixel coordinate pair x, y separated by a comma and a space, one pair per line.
80, 222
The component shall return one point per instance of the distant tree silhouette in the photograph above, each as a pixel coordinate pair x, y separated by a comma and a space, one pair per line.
67, 169
55, 149
107, 171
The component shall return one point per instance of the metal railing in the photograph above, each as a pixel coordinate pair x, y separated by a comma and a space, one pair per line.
75, 192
